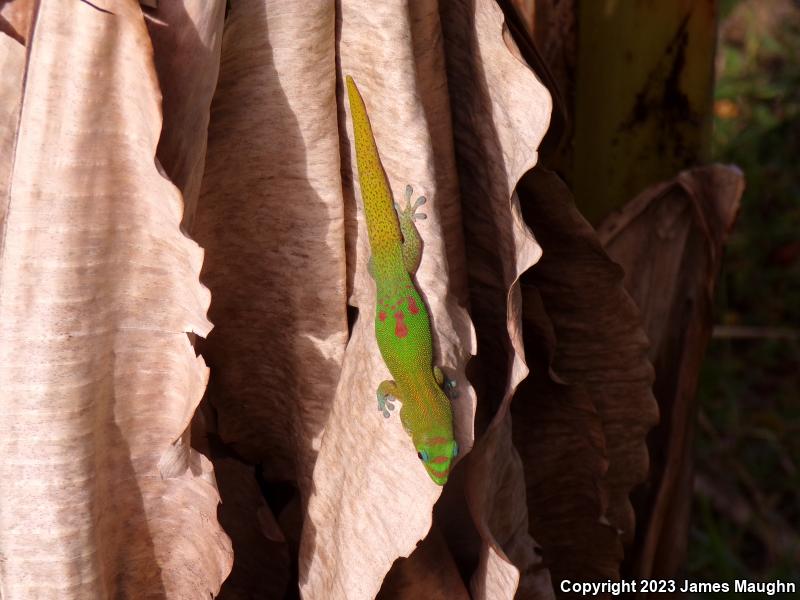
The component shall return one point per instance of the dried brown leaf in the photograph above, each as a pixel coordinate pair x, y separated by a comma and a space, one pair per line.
12, 70
187, 36
270, 218
270, 215
669, 240
98, 289
357, 503
581, 419
430, 572
262, 563
16, 17
500, 113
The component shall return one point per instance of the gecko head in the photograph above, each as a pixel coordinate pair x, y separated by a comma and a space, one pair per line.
436, 453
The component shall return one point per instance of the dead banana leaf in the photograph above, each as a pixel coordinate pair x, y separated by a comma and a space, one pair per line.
98, 290
15, 19
414, 137
270, 218
272, 213
582, 417
262, 564
500, 114
372, 500
12, 70
187, 37
430, 572
669, 240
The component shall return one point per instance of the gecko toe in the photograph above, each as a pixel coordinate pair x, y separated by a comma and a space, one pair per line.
385, 405
413, 209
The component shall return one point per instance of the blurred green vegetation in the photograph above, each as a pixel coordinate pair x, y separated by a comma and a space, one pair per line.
746, 520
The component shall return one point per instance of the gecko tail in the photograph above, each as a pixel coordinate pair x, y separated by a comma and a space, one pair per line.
382, 224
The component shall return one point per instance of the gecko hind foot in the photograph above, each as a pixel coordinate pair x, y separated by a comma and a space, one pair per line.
412, 242
411, 211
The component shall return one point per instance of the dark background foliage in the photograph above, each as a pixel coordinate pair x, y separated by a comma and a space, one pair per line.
746, 519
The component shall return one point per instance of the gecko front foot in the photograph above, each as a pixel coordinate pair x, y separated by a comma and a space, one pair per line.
385, 405
387, 392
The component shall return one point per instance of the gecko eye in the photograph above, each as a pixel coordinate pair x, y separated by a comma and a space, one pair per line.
422, 455
455, 449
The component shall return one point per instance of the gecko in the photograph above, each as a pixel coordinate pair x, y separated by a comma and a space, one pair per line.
402, 322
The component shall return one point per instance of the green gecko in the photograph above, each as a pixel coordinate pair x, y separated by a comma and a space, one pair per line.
402, 323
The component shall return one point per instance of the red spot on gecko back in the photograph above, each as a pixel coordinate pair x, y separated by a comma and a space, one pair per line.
412, 306
437, 440
382, 316
400, 329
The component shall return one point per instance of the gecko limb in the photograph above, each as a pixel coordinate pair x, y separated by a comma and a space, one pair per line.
412, 242
387, 390
449, 385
